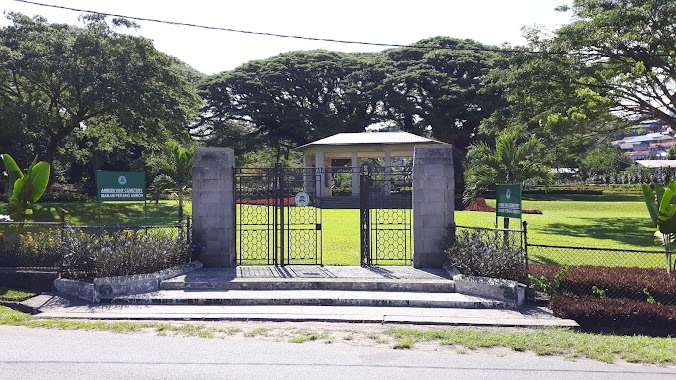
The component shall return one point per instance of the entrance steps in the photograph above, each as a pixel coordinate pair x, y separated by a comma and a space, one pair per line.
310, 298
312, 286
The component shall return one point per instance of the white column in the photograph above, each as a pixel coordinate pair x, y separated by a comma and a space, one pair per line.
388, 173
307, 177
319, 164
355, 174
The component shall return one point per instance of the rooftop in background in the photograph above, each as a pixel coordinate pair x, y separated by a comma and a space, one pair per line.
657, 163
365, 138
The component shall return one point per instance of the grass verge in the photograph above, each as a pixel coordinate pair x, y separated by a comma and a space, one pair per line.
7, 294
549, 341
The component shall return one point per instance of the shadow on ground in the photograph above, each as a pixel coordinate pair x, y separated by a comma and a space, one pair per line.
622, 230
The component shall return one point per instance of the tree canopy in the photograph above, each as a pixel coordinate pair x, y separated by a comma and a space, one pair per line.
433, 87
90, 87
286, 100
613, 66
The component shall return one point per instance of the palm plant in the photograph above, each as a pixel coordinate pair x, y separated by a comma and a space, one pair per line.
662, 211
175, 173
512, 161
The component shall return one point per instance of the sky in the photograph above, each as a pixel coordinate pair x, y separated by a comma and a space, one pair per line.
492, 22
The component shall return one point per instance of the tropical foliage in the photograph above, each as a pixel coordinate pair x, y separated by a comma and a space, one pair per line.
24, 189
513, 160
661, 203
175, 172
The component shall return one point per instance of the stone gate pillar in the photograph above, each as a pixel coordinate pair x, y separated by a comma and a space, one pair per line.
433, 203
213, 205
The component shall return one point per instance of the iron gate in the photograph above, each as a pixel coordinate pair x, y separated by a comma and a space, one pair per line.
385, 216
278, 216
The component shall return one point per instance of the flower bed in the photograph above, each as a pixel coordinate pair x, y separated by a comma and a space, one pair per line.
86, 252
480, 205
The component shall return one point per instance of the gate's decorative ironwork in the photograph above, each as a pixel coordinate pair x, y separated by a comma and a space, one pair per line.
386, 222
271, 228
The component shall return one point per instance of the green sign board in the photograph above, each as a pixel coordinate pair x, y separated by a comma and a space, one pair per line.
508, 201
121, 186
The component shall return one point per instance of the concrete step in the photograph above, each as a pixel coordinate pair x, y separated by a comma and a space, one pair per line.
310, 298
428, 286
398, 279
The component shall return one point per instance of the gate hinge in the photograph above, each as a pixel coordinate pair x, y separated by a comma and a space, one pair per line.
318, 227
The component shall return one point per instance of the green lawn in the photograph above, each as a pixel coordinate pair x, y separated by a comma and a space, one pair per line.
109, 213
599, 221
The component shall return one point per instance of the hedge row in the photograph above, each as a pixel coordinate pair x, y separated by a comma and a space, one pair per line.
616, 299
613, 282
617, 315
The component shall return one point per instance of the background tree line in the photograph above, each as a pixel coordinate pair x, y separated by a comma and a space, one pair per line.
92, 97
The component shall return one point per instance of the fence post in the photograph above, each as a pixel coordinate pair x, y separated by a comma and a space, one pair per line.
525, 250
62, 220
188, 236
667, 244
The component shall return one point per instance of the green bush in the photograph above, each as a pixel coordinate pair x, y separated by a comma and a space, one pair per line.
487, 253
86, 253
123, 252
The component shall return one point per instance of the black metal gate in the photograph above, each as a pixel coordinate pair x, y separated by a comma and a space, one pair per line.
278, 216
385, 216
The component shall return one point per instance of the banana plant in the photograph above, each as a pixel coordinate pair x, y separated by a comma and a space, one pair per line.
25, 189
662, 208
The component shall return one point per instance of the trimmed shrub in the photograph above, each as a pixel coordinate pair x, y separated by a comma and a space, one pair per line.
487, 253
638, 284
617, 315
83, 253
123, 252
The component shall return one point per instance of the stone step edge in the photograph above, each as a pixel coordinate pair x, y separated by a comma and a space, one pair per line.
486, 304
433, 286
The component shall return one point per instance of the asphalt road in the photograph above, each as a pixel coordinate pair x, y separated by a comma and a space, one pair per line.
27, 353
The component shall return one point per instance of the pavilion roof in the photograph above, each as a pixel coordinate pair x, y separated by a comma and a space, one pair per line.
362, 138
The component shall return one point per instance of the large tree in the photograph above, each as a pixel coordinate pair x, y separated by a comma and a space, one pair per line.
436, 86
285, 101
61, 84
613, 66
631, 45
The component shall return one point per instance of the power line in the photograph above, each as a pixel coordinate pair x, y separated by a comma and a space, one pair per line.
318, 39
278, 35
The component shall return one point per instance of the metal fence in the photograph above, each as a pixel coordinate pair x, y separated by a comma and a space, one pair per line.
634, 274
83, 250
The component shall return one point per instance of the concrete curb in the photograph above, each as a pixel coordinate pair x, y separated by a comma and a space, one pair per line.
20, 306
509, 291
106, 287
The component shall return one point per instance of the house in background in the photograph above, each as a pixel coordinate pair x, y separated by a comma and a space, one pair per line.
654, 145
